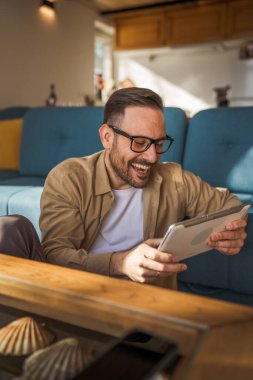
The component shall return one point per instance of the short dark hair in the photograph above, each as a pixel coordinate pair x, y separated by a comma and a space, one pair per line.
127, 97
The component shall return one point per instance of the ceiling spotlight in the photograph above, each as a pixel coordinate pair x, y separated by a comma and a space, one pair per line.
47, 7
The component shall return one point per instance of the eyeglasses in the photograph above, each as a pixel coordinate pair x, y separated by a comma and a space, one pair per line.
140, 144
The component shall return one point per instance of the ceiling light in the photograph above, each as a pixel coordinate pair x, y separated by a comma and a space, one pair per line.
47, 7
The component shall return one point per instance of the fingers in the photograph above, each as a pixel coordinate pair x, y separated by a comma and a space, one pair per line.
228, 242
156, 255
229, 235
145, 275
239, 223
169, 267
238, 243
144, 263
153, 242
229, 247
161, 261
155, 262
229, 251
233, 230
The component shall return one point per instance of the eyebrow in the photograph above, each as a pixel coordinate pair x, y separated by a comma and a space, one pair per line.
121, 132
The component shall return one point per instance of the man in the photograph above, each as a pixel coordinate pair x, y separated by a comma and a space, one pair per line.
106, 213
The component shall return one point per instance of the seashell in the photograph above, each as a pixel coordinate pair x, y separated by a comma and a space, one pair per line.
24, 336
61, 361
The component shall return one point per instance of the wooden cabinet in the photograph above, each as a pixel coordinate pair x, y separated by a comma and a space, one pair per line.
195, 25
240, 19
139, 32
196, 22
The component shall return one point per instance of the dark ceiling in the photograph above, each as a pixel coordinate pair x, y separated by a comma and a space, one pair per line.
115, 6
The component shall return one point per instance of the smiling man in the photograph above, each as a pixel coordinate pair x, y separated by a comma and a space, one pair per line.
106, 213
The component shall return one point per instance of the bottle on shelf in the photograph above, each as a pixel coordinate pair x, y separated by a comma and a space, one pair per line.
52, 98
99, 86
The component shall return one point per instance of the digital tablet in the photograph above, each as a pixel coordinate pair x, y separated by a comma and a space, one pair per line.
189, 238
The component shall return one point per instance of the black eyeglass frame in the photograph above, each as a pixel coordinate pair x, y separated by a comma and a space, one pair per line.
152, 141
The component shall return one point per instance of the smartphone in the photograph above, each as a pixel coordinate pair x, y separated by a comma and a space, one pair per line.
137, 356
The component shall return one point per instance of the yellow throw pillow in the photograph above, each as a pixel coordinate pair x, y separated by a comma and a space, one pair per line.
10, 135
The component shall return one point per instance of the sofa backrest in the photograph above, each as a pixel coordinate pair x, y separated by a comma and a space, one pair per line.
176, 127
13, 112
50, 135
219, 148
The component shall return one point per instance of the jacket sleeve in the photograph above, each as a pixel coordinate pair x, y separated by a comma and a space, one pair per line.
201, 198
62, 225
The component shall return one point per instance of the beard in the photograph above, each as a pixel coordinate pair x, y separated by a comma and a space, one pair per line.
123, 169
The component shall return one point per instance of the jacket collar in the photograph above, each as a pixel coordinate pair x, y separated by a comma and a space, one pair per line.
151, 199
102, 183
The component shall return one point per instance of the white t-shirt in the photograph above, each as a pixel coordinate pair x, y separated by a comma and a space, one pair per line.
122, 228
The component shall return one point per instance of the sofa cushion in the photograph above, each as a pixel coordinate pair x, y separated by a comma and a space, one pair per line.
219, 147
6, 192
50, 135
27, 203
10, 134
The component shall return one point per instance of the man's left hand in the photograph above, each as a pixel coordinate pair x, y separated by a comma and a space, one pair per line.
231, 240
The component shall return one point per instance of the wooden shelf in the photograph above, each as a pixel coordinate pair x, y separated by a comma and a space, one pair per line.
203, 24
240, 19
189, 23
139, 32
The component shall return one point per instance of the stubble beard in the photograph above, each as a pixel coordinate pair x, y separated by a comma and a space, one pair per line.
123, 172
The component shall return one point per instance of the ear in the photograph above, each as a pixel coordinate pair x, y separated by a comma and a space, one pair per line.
106, 136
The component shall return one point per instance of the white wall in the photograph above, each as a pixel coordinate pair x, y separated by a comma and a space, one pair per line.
37, 51
185, 77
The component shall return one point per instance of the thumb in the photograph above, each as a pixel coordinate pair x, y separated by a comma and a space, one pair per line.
154, 243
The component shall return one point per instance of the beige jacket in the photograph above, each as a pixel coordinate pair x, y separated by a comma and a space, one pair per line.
77, 195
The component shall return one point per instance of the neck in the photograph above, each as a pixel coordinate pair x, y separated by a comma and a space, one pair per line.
115, 181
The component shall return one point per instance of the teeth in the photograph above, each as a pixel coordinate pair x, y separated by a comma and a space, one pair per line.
141, 166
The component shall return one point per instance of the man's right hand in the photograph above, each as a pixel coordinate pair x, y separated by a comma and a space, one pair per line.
145, 263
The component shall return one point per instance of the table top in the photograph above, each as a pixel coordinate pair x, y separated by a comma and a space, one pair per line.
220, 334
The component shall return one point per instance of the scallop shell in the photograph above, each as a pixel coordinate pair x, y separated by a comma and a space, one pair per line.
24, 336
61, 361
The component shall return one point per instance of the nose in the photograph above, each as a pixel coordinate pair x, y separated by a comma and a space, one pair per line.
150, 155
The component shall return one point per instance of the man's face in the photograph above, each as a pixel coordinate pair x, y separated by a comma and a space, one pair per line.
125, 167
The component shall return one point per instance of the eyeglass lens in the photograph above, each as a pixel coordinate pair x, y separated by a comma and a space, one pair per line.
140, 144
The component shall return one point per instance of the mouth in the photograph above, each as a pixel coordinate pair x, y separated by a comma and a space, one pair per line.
142, 170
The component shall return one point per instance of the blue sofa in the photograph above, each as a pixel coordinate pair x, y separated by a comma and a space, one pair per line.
217, 145
49, 136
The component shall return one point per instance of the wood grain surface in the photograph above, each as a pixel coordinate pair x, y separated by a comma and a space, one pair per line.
219, 333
